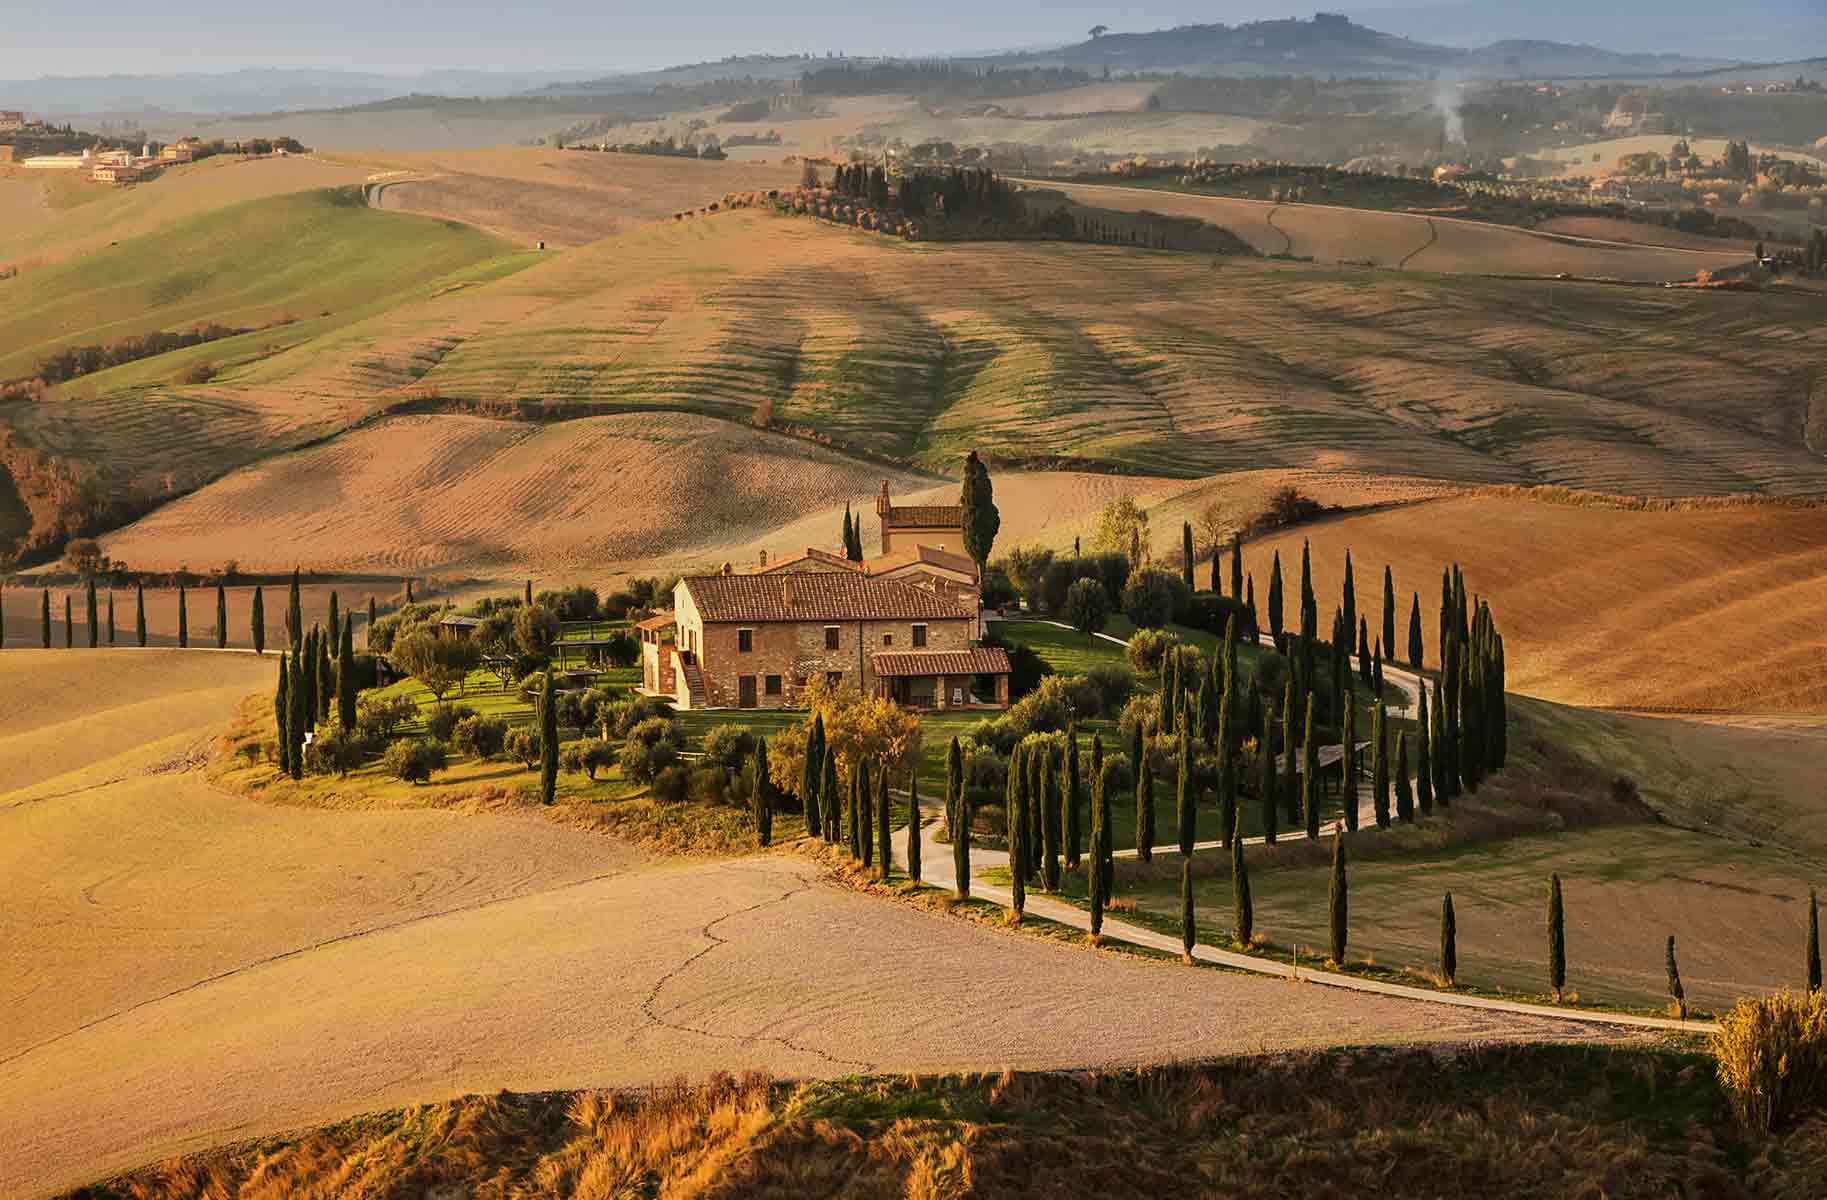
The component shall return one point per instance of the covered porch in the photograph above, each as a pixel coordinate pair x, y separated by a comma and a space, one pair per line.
942, 679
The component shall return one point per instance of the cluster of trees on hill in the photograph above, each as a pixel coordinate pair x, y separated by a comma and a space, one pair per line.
951, 191
75, 361
667, 147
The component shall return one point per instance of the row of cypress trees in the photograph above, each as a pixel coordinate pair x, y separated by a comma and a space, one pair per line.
858, 817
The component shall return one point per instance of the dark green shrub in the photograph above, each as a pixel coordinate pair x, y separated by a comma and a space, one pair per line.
379, 716
671, 784
442, 721
728, 746
523, 746
414, 760
1153, 598
1112, 685
480, 737
587, 757
651, 747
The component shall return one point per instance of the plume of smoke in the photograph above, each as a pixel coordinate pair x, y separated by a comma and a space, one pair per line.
1446, 99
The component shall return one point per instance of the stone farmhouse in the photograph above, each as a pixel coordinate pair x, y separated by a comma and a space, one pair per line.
904, 626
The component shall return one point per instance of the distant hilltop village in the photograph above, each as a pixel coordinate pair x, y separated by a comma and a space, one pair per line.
34, 145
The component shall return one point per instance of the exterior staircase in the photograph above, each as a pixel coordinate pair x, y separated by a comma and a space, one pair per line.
694, 682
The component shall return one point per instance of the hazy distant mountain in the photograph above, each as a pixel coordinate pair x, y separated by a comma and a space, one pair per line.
1756, 30
256, 90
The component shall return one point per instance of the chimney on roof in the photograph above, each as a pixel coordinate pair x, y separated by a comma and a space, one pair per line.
882, 505
764, 559
786, 590
728, 569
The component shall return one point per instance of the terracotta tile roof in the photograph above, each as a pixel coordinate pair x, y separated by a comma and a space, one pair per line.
814, 596
825, 558
665, 620
931, 556
925, 516
984, 660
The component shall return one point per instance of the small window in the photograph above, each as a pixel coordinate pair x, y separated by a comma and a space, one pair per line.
834, 678
745, 640
773, 685
888, 639
830, 637
919, 636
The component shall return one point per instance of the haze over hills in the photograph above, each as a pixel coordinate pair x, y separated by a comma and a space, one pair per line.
1758, 29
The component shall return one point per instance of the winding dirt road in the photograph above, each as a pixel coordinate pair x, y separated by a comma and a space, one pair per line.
181, 967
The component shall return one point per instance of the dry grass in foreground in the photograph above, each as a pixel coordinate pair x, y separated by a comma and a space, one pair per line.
1516, 1121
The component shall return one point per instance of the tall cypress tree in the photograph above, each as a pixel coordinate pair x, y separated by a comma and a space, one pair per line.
1424, 781
1309, 609
1227, 768
69, 624
1439, 750
1145, 812
862, 825
294, 614
1018, 833
1037, 803
1186, 556
1379, 764
1814, 941
222, 618
833, 798
1337, 901
1676, 992
1275, 611
1106, 860
1051, 823
1415, 649
282, 717
812, 774
959, 814
1449, 942
257, 623
1309, 777
326, 681
1236, 565
762, 789
94, 616
1290, 748
1389, 611
298, 715
1405, 796
1267, 786
1074, 794
1351, 597
982, 520
884, 836
368, 633
139, 616
335, 623
345, 676
913, 826
1189, 935
1364, 675
304, 680
1249, 604
1348, 762
1094, 875
45, 615
183, 617
111, 639
1217, 585
1183, 794
548, 742
1243, 909
1557, 938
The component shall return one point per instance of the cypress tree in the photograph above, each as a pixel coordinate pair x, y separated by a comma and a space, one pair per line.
1337, 901
1449, 942
958, 814
1405, 795
222, 618
1249, 603
1244, 910
884, 843
527, 600
1227, 769
1106, 860
1309, 609
111, 639
1275, 612
1094, 875
282, 713
1389, 610
1074, 830
1183, 794
298, 719
1145, 812
1376, 669
1236, 565
3, 613
1037, 802
1290, 778
45, 616
1348, 763
1051, 823
1675, 990
308, 678
548, 742
833, 799
1351, 598
763, 790
294, 614
345, 676
1424, 783
1267, 786
183, 617
334, 624
860, 826
1018, 835
913, 826
326, 682
139, 616
257, 621
94, 617
812, 774
1557, 938
1814, 942
1189, 935
1309, 785
69, 624
1415, 650
409, 599
1437, 752
1186, 555
368, 633
1217, 588
1379, 764
1364, 675
1169, 676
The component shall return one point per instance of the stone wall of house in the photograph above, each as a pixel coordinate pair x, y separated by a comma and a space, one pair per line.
796, 653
